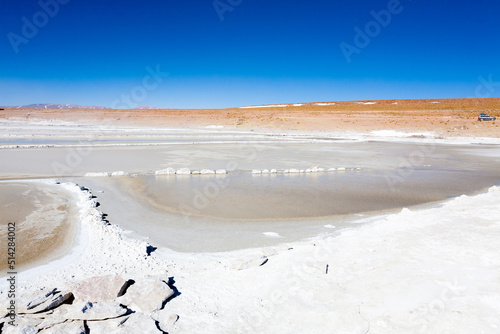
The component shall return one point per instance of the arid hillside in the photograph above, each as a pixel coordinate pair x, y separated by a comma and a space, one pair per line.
444, 117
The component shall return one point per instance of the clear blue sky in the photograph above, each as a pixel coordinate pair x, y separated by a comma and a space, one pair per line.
263, 51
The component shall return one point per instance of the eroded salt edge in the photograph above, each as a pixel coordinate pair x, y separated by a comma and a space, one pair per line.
104, 249
396, 226
100, 249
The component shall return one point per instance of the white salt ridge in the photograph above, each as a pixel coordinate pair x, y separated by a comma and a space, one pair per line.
394, 133
272, 235
307, 170
324, 104
214, 126
96, 174
100, 144
187, 171
166, 171
183, 171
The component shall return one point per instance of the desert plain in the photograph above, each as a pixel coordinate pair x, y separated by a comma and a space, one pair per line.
342, 217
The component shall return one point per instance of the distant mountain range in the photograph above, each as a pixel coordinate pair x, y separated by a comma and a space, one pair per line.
53, 106
63, 106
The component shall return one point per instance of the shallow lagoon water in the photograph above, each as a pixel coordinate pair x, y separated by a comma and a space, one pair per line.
292, 196
217, 213
45, 220
195, 213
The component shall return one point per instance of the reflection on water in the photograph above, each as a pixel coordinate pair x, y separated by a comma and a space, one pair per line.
285, 196
225, 212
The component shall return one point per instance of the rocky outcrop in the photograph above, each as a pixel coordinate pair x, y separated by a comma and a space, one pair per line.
94, 311
102, 304
46, 302
100, 289
147, 294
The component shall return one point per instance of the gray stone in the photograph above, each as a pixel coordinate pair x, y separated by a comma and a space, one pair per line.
23, 325
46, 302
99, 289
94, 311
106, 326
138, 323
68, 327
42, 315
4, 304
147, 294
43, 296
50, 321
165, 318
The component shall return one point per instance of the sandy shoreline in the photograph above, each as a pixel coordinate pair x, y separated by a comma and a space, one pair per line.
432, 269
44, 219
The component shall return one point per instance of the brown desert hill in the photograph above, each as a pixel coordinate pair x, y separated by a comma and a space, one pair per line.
444, 117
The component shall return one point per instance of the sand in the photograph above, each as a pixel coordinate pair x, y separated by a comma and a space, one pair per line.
430, 268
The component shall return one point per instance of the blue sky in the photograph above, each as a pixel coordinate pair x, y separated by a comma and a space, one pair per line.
262, 51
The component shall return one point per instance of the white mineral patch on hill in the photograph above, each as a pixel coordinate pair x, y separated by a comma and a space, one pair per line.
266, 106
